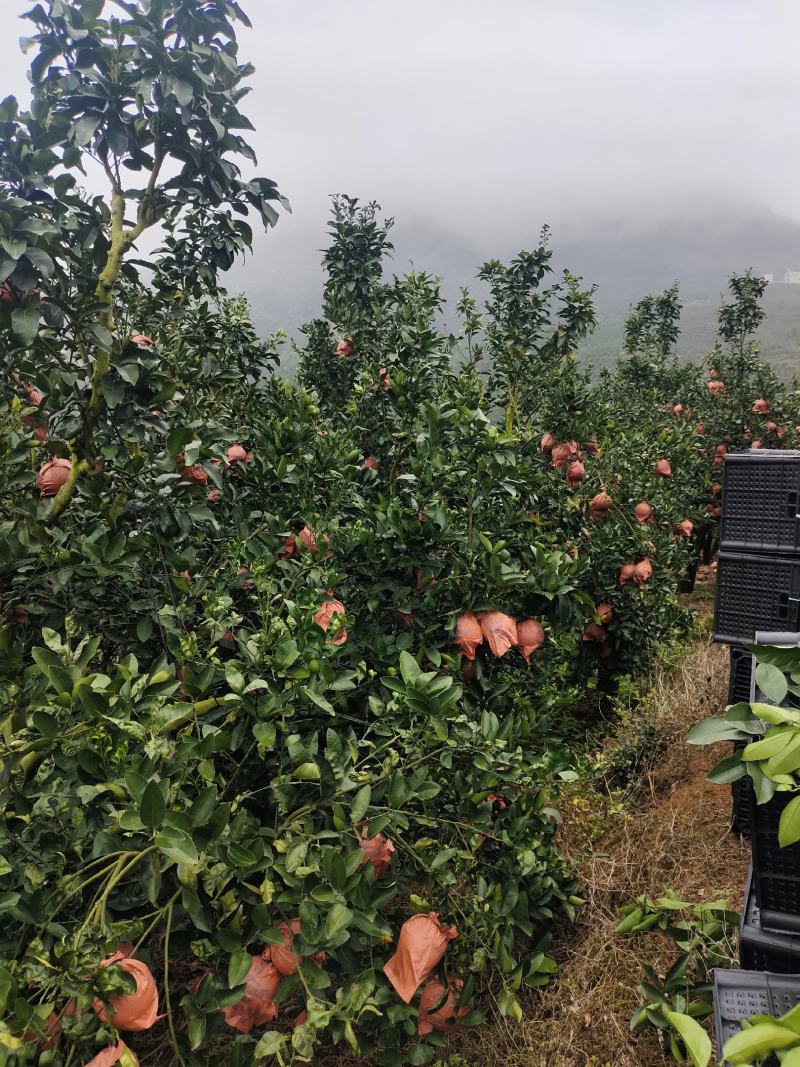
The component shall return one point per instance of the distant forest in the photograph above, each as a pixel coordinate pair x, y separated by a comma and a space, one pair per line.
283, 278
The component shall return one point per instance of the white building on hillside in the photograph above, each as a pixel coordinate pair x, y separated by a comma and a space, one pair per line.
791, 277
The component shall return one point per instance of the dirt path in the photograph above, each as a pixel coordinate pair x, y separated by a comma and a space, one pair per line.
674, 834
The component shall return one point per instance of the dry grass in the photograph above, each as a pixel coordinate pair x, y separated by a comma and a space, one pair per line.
677, 836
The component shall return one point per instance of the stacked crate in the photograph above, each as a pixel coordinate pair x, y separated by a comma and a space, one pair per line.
758, 570
758, 602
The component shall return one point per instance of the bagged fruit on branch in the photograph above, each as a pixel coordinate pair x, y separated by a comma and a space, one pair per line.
420, 946
499, 631
376, 850
437, 1007
115, 1054
130, 1011
257, 1005
643, 572
284, 958
575, 473
237, 454
626, 573
468, 634
52, 476
325, 615
530, 638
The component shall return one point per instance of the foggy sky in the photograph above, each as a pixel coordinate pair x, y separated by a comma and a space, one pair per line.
490, 117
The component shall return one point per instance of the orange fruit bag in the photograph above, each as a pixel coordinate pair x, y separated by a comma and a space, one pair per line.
420, 946
530, 637
499, 631
119, 1053
378, 851
256, 1006
130, 1011
324, 616
436, 1012
468, 634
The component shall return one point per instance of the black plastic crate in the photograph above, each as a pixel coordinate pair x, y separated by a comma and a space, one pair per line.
740, 679
741, 800
755, 593
776, 870
740, 682
765, 950
740, 688
760, 502
741, 994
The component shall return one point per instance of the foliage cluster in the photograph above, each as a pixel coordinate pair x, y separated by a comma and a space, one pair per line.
235, 725
705, 935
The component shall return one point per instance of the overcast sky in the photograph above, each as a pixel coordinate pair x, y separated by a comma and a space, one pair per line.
492, 116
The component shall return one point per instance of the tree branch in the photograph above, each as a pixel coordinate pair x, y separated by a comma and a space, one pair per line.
121, 241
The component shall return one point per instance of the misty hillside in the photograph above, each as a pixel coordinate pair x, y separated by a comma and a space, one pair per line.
283, 279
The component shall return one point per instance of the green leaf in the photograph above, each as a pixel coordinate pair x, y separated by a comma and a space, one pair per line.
234, 677
768, 746
763, 788
41, 260
129, 372
46, 724
756, 1041
320, 701
772, 682
8, 901
296, 856
270, 1044
314, 977
177, 845
307, 772
239, 856
192, 451
197, 1031
25, 324
182, 90
442, 857
84, 130
103, 336
265, 734
787, 761
728, 770
113, 391
409, 668
53, 669
178, 438
152, 807
239, 967
360, 804
144, 629
694, 1037
337, 919
791, 1018
203, 807
714, 729
789, 826
775, 715
7, 265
